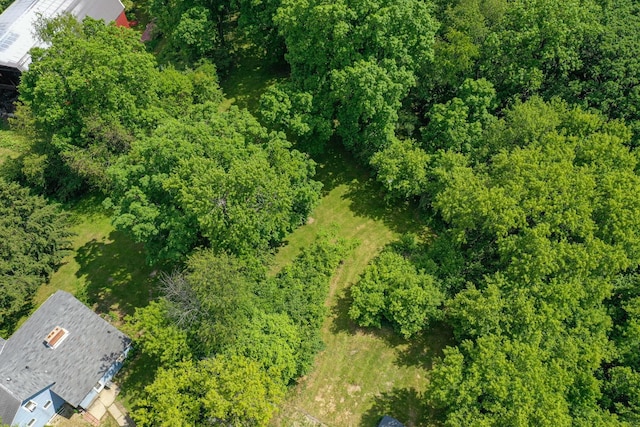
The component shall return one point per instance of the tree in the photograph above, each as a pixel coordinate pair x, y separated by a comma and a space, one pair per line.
542, 220
157, 336
496, 381
610, 74
371, 96
459, 124
549, 41
256, 20
402, 167
391, 288
271, 340
222, 390
213, 178
34, 237
553, 207
464, 27
89, 93
357, 60
212, 299
622, 393
192, 29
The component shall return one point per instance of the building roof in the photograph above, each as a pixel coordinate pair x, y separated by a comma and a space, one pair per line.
9, 405
388, 421
16, 24
72, 368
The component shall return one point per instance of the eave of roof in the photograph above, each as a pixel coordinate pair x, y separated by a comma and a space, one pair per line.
17, 36
9, 405
73, 368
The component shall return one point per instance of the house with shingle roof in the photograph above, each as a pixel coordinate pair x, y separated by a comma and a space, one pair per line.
63, 353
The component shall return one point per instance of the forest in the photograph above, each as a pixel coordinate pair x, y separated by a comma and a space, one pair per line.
508, 131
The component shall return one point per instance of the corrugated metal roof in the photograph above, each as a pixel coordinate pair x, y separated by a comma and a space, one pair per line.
16, 24
74, 367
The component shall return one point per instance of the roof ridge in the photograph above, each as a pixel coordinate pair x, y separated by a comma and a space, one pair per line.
8, 390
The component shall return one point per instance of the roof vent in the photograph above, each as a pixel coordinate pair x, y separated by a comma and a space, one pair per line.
56, 336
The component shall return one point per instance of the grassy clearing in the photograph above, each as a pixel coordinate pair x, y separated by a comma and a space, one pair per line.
105, 269
362, 374
248, 79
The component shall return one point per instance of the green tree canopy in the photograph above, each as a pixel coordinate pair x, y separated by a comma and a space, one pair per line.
88, 94
357, 60
393, 289
222, 390
34, 237
212, 178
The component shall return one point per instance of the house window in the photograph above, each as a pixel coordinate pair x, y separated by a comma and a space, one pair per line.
30, 406
47, 404
32, 422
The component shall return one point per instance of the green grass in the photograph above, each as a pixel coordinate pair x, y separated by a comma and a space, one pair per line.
248, 79
105, 269
363, 373
108, 271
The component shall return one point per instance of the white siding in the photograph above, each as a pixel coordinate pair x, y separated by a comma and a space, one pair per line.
16, 24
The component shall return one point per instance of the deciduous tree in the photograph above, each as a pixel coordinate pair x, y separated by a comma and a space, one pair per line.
214, 179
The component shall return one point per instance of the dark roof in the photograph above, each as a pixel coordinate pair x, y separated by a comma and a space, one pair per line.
387, 421
74, 366
9, 405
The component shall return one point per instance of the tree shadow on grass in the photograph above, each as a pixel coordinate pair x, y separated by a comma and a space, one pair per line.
404, 404
116, 274
426, 346
336, 166
366, 196
420, 350
250, 74
340, 320
138, 371
88, 206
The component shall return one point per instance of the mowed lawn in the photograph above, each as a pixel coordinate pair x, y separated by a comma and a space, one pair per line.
106, 269
249, 77
362, 374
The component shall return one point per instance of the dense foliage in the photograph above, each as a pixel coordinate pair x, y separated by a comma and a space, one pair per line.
180, 173
211, 177
227, 340
541, 207
34, 237
90, 116
510, 124
392, 288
